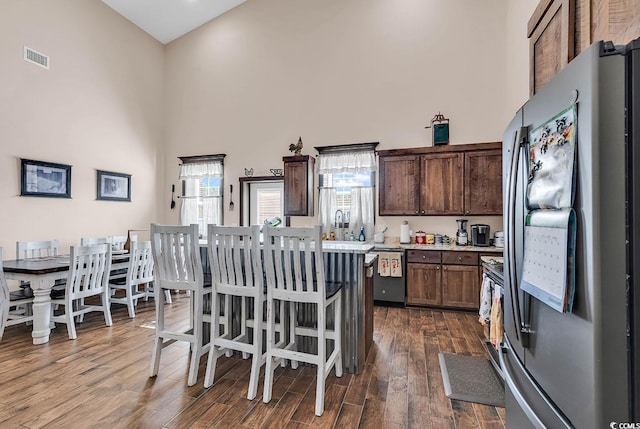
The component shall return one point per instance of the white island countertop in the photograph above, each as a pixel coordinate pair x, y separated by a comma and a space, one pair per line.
346, 246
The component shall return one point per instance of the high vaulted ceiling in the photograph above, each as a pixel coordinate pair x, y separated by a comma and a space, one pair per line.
166, 20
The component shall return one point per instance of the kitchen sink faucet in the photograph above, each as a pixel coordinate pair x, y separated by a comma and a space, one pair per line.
339, 230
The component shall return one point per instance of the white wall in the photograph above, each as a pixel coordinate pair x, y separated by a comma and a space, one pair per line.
517, 53
98, 107
334, 72
246, 84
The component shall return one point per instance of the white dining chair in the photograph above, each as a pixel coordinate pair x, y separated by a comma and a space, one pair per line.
14, 306
118, 242
89, 268
176, 257
39, 249
236, 272
295, 274
89, 241
139, 274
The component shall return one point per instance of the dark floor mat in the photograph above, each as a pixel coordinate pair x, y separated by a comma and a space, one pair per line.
471, 378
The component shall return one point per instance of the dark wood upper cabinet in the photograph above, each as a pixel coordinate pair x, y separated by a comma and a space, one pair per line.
441, 185
441, 180
551, 40
483, 182
399, 185
298, 185
560, 29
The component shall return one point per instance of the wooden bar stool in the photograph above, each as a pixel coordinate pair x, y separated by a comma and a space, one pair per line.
295, 275
176, 257
236, 272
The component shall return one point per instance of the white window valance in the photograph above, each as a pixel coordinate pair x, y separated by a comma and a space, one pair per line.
195, 170
354, 162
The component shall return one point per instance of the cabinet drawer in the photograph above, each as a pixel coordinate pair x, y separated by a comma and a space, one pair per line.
460, 258
424, 256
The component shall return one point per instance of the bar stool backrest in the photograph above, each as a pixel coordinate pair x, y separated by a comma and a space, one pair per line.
294, 264
234, 253
176, 255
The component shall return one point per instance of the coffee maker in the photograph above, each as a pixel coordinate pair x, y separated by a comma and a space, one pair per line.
462, 238
480, 235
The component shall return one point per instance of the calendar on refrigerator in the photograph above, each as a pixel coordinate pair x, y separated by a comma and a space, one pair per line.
549, 250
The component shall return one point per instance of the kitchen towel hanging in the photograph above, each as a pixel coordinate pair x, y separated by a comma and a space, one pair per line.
485, 300
390, 264
395, 264
383, 265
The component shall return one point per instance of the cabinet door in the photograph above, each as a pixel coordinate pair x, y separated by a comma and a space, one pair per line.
298, 186
398, 185
483, 182
441, 187
424, 284
551, 40
460, 286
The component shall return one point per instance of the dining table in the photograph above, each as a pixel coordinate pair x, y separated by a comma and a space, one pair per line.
42, 274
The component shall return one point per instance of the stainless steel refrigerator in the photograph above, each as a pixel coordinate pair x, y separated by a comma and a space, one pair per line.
578, 369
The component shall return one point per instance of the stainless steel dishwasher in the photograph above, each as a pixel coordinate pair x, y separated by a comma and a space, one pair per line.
388, 289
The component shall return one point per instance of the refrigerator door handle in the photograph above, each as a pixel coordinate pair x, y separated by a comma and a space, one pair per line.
517, 394
512, 183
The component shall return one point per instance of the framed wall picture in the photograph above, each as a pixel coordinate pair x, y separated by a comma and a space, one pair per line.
45, 179
114, 186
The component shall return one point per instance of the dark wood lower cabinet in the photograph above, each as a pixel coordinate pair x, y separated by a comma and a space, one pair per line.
453, 283
424, 284
460, 287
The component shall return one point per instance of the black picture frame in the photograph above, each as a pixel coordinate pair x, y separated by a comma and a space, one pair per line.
44, 179
113, 186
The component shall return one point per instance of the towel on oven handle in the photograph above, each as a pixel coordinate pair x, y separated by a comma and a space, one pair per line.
395, 264
383, 265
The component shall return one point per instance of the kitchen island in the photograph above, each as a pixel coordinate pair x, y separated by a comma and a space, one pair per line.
352, 265
349, 263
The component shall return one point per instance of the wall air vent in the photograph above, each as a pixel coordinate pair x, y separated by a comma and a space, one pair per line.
36, 57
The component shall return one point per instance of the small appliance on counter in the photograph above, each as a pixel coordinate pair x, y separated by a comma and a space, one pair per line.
498, 239
462, 238
480, 235
405, 237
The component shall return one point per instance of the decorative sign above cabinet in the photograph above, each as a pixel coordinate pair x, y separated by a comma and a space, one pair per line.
440, 129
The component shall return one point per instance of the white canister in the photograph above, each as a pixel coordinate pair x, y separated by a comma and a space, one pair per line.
405, 237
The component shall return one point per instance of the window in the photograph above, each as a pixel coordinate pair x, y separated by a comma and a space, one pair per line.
346, 200
261, 199
202, 185
266, 202
344, 183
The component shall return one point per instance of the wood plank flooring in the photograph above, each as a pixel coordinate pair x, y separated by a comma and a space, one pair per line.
101, 379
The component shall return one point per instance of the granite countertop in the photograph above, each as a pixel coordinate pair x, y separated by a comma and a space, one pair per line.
393, 243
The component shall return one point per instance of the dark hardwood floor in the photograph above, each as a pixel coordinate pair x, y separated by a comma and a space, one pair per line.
101, 379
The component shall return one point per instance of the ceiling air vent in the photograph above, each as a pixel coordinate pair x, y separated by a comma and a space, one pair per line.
36, 57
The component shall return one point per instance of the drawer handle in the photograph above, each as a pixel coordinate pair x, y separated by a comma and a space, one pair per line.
424, 257
459, 258
438, 267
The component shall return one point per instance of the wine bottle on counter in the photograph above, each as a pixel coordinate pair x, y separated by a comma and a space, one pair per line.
361, 237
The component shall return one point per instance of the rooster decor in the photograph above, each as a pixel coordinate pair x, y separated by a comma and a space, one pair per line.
296, 148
